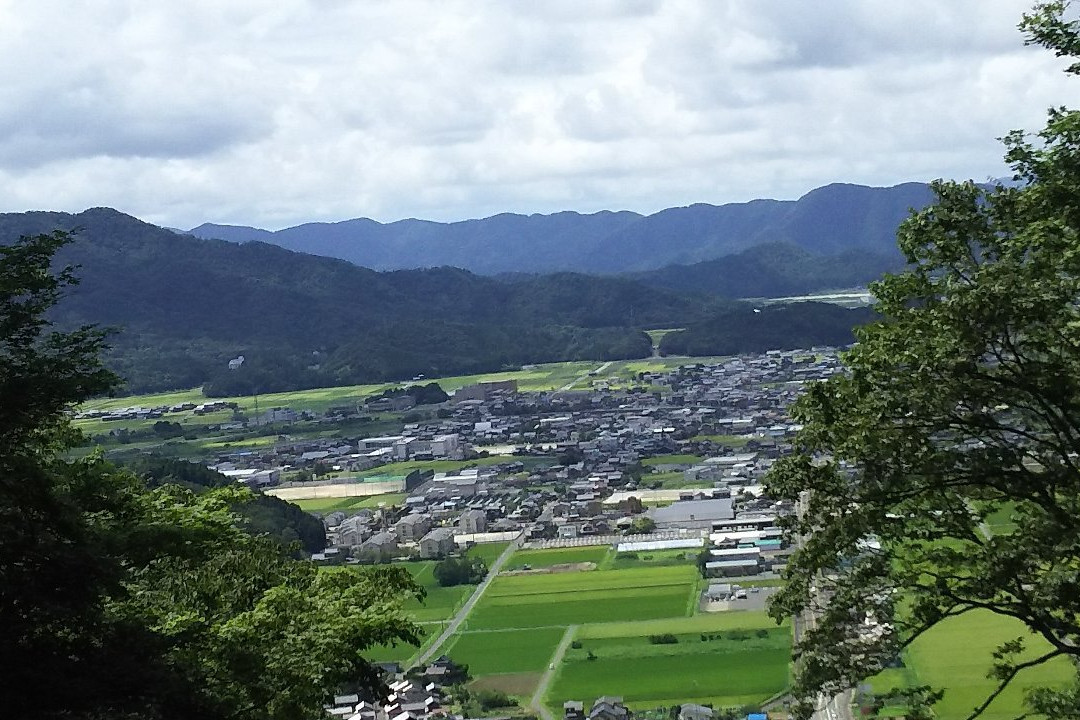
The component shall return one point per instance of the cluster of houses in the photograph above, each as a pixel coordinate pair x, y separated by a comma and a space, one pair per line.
419, 696
608, 427
578, 471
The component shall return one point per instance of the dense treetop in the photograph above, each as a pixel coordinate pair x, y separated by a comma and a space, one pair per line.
119, 601
962, 402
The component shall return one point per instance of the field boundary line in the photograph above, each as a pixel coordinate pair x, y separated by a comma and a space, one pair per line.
459, 617
537, 702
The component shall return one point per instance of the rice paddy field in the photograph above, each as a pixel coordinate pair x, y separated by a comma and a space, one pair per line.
956, 655
437, 608
510, 638
496, 652
736, 666
328, 505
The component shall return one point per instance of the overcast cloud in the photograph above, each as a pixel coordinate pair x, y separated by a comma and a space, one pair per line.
276, 113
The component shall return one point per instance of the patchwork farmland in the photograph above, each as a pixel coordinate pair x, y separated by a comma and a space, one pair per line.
609, 613
436, 608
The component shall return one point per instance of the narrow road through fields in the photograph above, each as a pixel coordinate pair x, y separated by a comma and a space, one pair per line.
537, 702
584, 375
463, 612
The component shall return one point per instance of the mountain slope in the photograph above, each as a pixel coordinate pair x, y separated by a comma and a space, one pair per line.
186, 306
832, 219
772, 270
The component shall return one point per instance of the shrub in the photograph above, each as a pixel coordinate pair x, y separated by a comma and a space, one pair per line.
663, 639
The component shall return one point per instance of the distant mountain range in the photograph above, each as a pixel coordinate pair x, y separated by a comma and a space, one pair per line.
829, 221
185, 305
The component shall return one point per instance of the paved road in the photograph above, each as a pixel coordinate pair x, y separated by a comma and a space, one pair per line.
537, 702
465, 609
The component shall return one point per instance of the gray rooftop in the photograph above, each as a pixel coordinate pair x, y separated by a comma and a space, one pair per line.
694, 511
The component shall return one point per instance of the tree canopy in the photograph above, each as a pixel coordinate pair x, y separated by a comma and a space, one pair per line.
119, 601
961, 405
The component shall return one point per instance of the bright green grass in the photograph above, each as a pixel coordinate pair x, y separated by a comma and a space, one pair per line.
517, 585
729, 673
505, 651
326, 505
549, 376
1001, 520
674, 480
558, 556
706, 622
401, 652
586, 606
638, 645
177, 397
672, 460
441, 602
488, 552
260, 441
656, 335
654, 558
957, 654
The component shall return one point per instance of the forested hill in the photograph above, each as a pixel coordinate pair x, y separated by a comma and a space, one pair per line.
833, 219
773, 270
185, 306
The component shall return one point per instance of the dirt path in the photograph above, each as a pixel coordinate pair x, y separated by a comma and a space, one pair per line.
463, 612
584, 375
537, 702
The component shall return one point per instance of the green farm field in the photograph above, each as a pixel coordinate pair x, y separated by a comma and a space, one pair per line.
957, 654
706, 622
596, 580
727, 659
587, 606
439, 605
497, 652
326, 505
549, 376
538, 559
743, 659
488, 552
561, 599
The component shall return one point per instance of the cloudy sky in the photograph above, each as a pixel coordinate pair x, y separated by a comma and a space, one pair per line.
274, 113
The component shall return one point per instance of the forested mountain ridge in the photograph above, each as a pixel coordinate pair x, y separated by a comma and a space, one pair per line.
829, 220
773, 270
184, 306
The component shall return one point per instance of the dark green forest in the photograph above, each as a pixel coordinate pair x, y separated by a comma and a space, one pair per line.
773, 270
263, 515
776, 327
180, 308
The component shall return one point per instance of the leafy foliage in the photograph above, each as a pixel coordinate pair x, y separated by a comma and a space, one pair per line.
962, 400
460, 571
119, 601
261, 514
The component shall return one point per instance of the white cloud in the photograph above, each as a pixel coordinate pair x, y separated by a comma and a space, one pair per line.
277, 113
